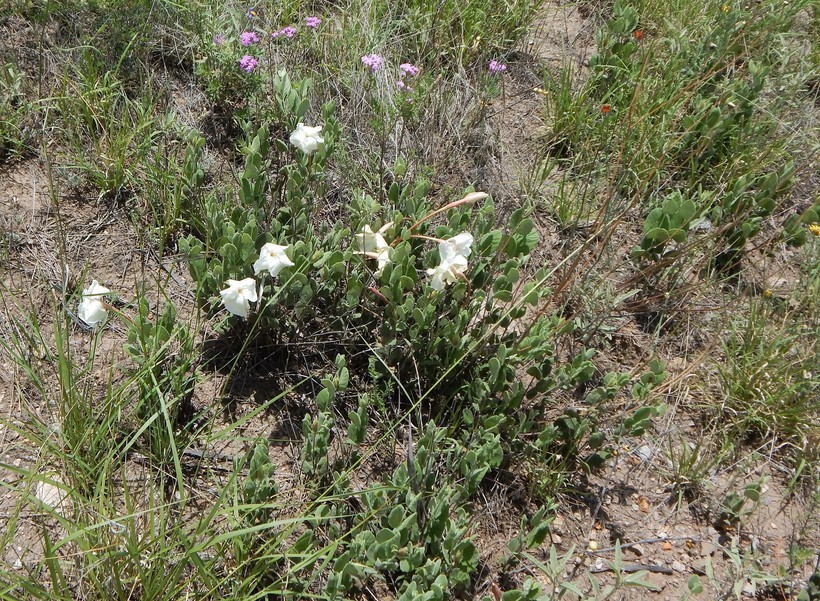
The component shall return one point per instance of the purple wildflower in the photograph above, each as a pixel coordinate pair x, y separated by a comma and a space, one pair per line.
403, 87
248, 37
496, 67
409, 69
219, 39
374, 61
313, 22
248, 63
288, 31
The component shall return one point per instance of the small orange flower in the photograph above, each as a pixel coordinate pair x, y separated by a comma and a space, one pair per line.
606, 109
638, 34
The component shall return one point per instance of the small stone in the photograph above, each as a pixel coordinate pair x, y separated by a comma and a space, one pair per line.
636, 549
678, 566
749, 589
52, 495
557, 539
773, 526
593, 545
657, 580
699, 566
643, 504
667, 546
707, 548
644, 452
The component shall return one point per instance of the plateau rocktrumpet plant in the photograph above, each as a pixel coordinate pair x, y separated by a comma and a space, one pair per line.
453, 253
373, 245
91, 308
238, 296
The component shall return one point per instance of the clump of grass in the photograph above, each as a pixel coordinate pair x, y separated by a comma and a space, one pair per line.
14, 107
768, 379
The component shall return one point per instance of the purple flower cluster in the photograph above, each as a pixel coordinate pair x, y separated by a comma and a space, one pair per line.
287, 32
409, 69
248, 37
248, 63
497, 67
374, 61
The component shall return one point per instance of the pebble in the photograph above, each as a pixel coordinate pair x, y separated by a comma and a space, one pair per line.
678, 566
667, 546
636, 549
593, 545
644, 452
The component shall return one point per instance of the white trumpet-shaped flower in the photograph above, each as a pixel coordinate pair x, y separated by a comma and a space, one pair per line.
447, 272
456, 246
91, 309
272, 258
238, 296
453, 253
374, 245
307, 138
